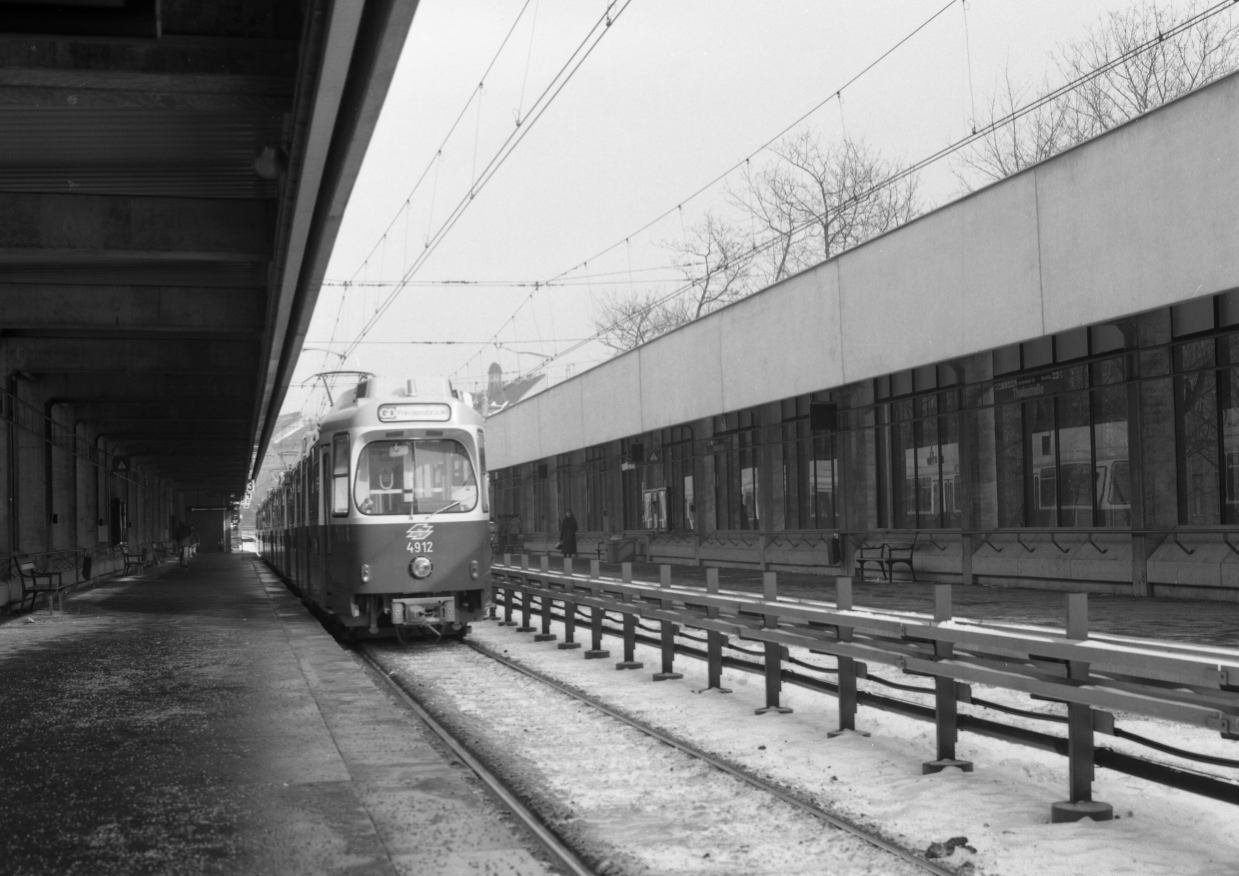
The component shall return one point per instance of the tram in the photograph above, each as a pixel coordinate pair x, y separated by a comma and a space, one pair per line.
383, 525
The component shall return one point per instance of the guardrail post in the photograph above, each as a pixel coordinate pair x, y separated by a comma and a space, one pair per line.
630, 626
509, 596
946, 709
668, 672
527, 603
714, 641
1079, 733
596, 615
848, 667
774, 651
546, 603
570, 641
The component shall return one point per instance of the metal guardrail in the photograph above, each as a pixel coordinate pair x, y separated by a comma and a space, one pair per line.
1094, 675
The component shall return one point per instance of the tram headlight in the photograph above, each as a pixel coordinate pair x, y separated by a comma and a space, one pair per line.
421, 568
365, 573
473, 569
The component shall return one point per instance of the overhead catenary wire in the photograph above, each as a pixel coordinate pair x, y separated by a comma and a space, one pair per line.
544, 100
837, 93
451, 130
949, 149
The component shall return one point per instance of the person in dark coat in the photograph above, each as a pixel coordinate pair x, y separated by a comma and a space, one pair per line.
567, 535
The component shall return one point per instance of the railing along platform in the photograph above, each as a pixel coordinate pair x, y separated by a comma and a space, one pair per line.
1093, 675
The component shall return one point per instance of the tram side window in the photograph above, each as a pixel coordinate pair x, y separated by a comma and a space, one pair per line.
415, 477
339, 475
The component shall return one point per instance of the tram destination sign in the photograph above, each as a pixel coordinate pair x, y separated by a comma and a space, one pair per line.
1027, 388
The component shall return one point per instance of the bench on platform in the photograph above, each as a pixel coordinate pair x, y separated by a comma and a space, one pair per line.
35, 582
871, 553
133, 560
886, 555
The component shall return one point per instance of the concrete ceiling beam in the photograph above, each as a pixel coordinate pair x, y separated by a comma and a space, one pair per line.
184, 55
111, 386
52, 356
156, 308
179, 409
52, 228
113, 89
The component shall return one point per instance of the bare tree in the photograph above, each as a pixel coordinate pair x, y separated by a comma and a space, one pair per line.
1015, 143
625, 321
1135, 80
717, 270
808, 204
813, 203
1141, 80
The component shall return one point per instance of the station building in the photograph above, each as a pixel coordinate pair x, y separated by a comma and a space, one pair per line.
1035, 385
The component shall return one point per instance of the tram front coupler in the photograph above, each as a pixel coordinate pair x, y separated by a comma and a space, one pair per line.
435, 612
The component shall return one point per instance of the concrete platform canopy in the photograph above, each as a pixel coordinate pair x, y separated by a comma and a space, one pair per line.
172, 178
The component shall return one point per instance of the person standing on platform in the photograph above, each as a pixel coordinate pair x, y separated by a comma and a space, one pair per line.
181, 534
567, 535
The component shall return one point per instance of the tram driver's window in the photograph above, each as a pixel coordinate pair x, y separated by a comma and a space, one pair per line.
415, 477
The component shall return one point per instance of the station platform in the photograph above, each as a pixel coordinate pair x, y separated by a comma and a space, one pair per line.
1201, 622
200, 720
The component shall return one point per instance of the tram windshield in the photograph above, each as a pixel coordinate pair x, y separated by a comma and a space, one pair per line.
421, 476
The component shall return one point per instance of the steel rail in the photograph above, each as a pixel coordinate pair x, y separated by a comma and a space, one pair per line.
526, 816
749, 779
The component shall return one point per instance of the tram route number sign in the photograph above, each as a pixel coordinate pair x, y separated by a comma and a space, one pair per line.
419, 535
1028, 388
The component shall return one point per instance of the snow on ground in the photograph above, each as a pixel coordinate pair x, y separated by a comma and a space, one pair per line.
619, 795
1003, 807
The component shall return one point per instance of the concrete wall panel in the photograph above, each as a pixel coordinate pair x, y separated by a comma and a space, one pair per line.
515, 435
559, 419
1145, 215
611, 399
681, 375
785, 339
902, 297
1001, 275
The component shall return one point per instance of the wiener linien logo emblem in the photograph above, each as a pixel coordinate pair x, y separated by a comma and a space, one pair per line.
420, 531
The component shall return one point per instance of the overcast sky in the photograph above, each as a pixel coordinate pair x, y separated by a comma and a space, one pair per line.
674, 94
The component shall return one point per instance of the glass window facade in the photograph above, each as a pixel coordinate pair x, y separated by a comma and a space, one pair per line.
1206, 389
810, 470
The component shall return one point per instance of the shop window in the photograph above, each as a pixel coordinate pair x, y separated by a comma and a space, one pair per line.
1038, 353
919, 462
1007, 359
736, 478
810, 472
1072, 345
1062, 455
1192, 317
1207, 425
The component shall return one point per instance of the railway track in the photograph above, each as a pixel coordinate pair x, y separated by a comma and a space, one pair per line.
562, 854
445, 686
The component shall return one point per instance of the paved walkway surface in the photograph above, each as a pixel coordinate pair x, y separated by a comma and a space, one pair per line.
1186, 620
200, 721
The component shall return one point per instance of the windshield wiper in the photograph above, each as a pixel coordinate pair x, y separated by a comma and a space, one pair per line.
446, 507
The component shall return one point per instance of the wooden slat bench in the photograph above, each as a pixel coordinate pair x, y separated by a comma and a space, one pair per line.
871, 553
133, 560
886, 555
35, 582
